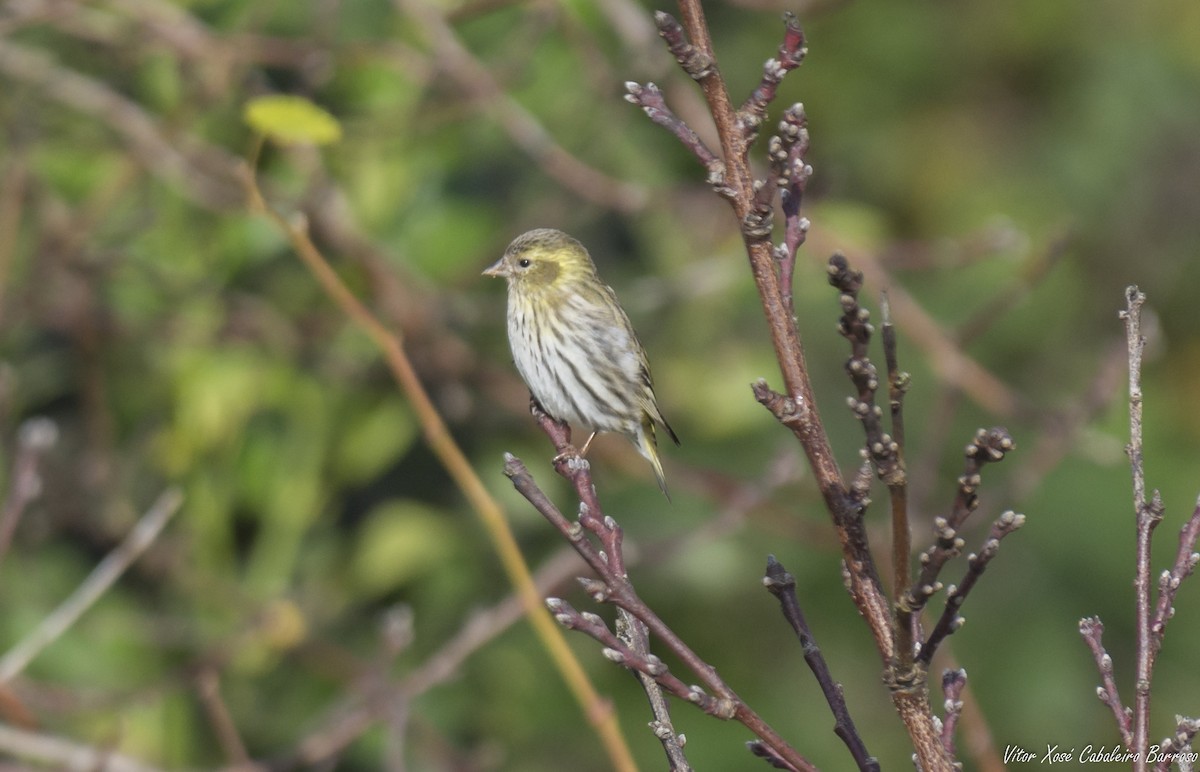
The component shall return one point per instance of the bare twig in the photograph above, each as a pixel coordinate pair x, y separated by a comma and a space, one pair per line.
93, 587
1150, 617
35, 437
1148, 515
898, 382
633, 633
614, 587
65, 754
1177, 749
208, 687
953, 684
1092, 630
988, 446
450, 455
1186, 559
782, 585
950, 621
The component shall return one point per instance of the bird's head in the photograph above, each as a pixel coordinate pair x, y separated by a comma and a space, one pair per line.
543, 259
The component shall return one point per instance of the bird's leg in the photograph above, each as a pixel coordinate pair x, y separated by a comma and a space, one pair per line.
586, 445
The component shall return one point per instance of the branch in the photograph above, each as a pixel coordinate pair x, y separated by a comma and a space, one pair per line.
977, 563
1092, 629
64, 754
1186, 559
953, 684
613, 586
988, 446
782, 585
1148, 516
443, 445
633, 633
102, 577
1178, 748
795, 407
35, 437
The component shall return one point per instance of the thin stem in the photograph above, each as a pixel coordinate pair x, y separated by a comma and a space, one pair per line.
614, 587
1092, 630
953, 684
35, 437
598, 711
102, 577
977, 563
898, 488
1148, 515
633, 633
782, 585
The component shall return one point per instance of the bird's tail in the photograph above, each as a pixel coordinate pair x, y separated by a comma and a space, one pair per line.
647, 445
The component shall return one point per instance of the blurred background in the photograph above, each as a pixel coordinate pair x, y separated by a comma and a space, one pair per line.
1004, 170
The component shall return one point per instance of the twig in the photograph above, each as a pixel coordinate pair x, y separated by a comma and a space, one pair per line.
1177, 749
782, 585
977, 563
474, 79
614, 587
953, 684
898, 382
64, 754
633, 633
1092, 630
988, 446
93, 587
1148, 515
1186, 559
35, 437
790, 171
208, 687
951, 364
452, 458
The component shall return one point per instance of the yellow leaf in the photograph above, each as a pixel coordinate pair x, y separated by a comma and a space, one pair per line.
292, 120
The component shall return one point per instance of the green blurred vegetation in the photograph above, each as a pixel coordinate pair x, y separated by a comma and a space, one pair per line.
174, 338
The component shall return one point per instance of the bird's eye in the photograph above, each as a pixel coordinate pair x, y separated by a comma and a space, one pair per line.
524, 262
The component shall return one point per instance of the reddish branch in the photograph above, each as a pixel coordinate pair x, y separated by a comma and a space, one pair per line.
1151, 615
613, 586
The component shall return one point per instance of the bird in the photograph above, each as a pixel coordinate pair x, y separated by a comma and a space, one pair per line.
574, 345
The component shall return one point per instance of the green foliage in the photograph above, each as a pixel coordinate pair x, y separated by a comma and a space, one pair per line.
292, 120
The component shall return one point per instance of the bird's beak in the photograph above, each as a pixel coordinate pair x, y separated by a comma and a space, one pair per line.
499, 269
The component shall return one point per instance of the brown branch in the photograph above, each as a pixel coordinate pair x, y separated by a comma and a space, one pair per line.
443, 445
613, 586
1178, 748
1186, 559
1092, 630
1148, 516
953, 684
633, 633
988, 446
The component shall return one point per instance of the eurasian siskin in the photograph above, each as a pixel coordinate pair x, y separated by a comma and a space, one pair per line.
574, 345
